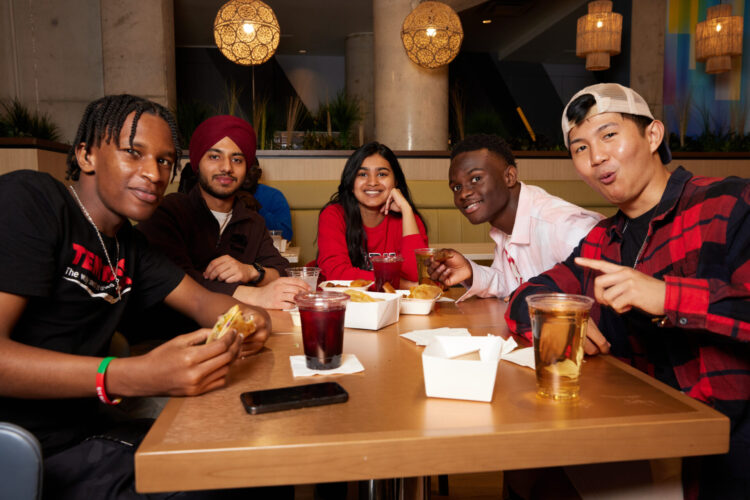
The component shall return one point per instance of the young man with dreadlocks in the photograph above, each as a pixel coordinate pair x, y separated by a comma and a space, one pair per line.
670, 271
71, 266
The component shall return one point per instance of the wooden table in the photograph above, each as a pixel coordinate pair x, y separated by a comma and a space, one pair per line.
472, 251
389, 428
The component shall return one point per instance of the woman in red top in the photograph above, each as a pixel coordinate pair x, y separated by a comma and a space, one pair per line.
371, 213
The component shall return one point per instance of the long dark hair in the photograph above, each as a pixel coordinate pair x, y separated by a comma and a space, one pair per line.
356, 238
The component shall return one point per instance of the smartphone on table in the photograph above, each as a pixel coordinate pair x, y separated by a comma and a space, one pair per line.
288, 398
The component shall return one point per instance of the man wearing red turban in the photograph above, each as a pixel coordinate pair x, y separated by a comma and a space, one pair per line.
212, 233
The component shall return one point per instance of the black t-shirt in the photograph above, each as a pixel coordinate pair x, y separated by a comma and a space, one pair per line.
633, 241
634, 236
50, 254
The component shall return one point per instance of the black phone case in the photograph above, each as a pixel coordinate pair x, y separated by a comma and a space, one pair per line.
288, 398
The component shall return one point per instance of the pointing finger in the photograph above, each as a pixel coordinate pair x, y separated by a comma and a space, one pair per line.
598, 265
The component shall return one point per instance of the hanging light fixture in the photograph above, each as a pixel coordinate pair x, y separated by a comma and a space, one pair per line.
718, 38
598, 35
432, 34
246, 31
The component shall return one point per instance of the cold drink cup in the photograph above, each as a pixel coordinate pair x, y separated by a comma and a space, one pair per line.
422, 255
307, 274
276, 237
558, 323
387, 268
322, 317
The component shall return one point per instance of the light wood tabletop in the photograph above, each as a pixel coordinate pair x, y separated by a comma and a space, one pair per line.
389, 428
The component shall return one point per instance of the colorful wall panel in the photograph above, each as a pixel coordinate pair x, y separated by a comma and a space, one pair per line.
694, 100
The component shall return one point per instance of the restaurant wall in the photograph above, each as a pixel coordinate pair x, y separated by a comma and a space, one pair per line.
315, 78
569, 78
534, 92
542, 90
53, 54
138, 49
204, 75
711, 101
51, 57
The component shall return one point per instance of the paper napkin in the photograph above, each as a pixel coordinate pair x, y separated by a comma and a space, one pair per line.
349, 364
424, 337
523, 357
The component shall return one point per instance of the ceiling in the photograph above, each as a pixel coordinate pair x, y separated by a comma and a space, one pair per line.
531, 30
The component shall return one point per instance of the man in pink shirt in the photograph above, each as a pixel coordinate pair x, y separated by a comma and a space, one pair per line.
532, 229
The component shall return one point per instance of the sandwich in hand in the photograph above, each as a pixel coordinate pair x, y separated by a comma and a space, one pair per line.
233, 319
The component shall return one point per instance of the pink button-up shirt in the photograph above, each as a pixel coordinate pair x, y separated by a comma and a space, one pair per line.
545, 232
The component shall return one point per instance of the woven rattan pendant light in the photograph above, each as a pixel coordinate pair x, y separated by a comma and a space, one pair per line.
718, 38
246, 31
598, 35
432, 34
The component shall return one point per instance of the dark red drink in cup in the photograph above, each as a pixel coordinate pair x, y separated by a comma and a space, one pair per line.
387, 269
322, 317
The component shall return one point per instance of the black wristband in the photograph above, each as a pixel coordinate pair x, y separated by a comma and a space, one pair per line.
261, 274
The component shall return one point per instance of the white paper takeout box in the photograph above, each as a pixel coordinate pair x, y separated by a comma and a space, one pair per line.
373, 315
367, 315
460, 378
415, 306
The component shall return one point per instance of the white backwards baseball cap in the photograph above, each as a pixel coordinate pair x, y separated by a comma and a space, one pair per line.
614, 98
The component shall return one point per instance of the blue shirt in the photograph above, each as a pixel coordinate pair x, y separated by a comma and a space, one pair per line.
275, 210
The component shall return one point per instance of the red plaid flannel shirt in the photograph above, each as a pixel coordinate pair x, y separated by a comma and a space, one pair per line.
699, 244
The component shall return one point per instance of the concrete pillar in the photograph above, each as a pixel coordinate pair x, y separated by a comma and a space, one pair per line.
649, 21
138, 49
359, 82
51, 58
411, 102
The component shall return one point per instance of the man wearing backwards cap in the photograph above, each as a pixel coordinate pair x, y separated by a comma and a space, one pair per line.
669, 272
211, 233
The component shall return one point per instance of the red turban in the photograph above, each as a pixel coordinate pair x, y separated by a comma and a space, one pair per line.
215, 129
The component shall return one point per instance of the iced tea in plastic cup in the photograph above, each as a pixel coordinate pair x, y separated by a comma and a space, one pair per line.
423, 274
387, 269
322, 317
423, 255
558, 323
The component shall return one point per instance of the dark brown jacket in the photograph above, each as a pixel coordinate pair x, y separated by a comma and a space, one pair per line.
187, 232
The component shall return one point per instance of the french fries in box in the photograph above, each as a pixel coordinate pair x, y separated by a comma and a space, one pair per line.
383, 311
419, 299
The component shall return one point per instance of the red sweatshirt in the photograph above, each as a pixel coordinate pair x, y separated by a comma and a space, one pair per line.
333, 254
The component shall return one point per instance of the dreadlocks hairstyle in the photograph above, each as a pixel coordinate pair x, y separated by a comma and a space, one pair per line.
103, 120
490, 142
356, 238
